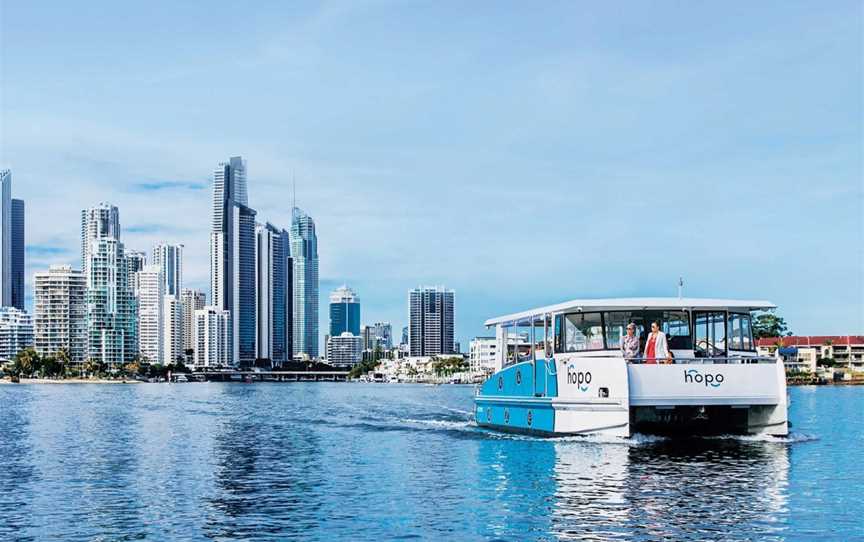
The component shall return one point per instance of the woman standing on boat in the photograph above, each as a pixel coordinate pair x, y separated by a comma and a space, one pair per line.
630, 343
656, 346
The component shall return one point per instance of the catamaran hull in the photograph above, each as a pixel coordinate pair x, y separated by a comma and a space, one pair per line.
610, 397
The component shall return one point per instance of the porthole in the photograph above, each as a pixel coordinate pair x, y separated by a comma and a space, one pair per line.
500, 383
506, 415
529, 418
488, 414
518, 377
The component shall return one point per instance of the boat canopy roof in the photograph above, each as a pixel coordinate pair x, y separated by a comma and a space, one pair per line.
525, 318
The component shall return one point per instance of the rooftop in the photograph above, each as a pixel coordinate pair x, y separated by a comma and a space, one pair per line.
633, 303
813, 340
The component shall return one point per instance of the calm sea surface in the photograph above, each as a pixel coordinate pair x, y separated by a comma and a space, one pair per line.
393, 462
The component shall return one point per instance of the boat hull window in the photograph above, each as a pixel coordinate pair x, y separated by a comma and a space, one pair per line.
710, 331
583, 331
740, 332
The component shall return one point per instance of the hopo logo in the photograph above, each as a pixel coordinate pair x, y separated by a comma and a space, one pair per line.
579, 378
693, 376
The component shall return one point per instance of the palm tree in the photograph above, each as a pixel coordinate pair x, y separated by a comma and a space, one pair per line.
27, 361
63, 359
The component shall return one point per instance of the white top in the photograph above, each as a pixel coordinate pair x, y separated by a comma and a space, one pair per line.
632, 303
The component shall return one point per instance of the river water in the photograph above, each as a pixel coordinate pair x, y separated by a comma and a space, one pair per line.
340, 461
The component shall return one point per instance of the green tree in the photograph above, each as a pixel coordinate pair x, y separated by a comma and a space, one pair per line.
768, 325
27, 362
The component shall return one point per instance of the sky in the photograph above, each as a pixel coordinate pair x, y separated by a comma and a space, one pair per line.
519, 153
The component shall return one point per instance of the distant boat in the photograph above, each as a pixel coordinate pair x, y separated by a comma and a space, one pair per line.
567, 374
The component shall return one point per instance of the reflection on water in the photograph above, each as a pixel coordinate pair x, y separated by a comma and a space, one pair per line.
376, 462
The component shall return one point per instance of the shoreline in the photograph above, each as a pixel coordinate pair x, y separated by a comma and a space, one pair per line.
69, 381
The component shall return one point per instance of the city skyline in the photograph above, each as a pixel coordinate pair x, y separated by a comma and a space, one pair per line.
410, 189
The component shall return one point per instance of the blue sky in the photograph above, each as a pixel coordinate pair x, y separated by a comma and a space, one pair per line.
520, 153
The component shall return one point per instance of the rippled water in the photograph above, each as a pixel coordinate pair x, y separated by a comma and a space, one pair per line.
384, 462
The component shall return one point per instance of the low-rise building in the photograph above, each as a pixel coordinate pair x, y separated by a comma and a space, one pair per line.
212, 338
803, 353
483, 355
345, 350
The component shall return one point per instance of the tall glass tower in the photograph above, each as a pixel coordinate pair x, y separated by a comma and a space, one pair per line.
232, 257
304, 251
18, 254
5, 237
344, 312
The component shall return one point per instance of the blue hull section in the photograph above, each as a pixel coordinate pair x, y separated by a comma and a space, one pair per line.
518, 399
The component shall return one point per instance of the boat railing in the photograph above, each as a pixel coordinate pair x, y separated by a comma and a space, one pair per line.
726, 360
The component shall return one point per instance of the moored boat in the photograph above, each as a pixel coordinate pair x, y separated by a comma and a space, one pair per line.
562, 371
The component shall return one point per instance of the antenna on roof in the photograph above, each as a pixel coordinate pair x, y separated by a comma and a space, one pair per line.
680, 287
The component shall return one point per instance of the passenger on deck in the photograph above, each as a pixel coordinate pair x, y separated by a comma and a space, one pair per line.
656, 346
630, 343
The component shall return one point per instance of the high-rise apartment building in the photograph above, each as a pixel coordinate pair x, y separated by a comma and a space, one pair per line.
273, 279
17, 261
172, 329
60, 312
192, 300
344, 311
103, 220
16, 332
5, 237
169, 258
111, 306
150, 297
304, 252
212, 338
232, 257
430, 328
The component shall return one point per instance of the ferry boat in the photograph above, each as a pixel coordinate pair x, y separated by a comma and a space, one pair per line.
562, 372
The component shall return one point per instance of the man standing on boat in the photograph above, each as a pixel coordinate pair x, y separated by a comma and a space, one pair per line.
630, 343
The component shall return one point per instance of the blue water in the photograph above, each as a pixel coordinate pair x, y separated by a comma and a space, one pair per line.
392, 462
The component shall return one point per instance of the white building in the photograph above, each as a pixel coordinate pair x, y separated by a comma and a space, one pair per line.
150, 314
172, 329
212, 338
483, 355
345, 350
112, 332
16, 332
169, 259
804, 353
60, 312
103, 220
193, 300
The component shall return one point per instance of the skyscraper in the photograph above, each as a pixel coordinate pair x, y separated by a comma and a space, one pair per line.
430, 328
18, 254
111, 307
172, 329
378, 335
169, 258
60, 312
304, 252
5, 237
150, 314
344, 312
273, 279
102, 220
192, 300
232, 257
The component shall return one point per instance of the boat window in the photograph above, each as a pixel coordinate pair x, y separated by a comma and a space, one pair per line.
676, 326
583, 331
740, 333
710, 333
616, 326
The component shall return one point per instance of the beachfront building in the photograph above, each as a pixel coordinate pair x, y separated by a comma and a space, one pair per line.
212, 339
16, 332
431, 321
193, 300
59, 317
344, 350
103, 220
304, 253
150, 296
112, 335
805, 353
